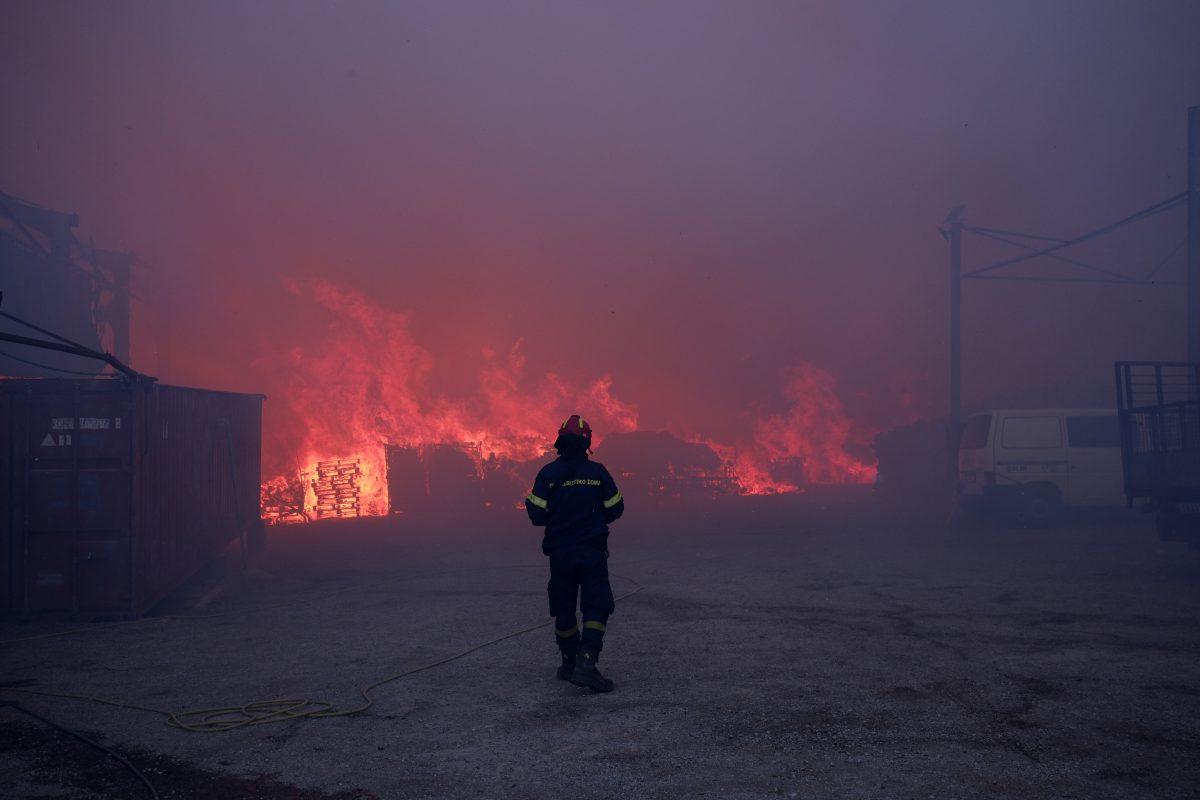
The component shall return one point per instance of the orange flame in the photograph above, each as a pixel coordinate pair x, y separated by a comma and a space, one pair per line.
815, 429
368, 384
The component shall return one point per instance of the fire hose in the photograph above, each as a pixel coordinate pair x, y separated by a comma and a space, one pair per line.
221, 719
261, 712
137, 773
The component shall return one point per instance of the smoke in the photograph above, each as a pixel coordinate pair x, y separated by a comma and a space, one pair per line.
493, 215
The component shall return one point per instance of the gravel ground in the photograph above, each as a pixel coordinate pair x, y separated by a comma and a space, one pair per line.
812, 648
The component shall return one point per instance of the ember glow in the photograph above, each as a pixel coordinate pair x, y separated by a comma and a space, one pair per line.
366, 387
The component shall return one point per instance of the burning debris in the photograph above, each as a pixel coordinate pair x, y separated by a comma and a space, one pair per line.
282, 500
367, 382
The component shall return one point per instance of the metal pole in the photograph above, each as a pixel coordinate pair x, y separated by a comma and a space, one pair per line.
955, 314
1193, 233
953, 234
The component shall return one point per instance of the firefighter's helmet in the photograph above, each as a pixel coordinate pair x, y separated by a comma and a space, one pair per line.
576, 426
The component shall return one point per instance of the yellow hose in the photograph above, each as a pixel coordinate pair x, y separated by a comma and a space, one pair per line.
263, 712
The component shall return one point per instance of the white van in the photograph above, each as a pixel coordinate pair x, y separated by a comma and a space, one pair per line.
1037, 461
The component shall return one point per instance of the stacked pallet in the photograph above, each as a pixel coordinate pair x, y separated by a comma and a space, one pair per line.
336, 488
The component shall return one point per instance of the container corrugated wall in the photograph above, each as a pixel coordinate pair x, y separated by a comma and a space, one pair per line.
118, 492
198, 487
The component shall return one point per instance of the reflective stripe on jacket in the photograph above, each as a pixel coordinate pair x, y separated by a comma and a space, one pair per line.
574, 498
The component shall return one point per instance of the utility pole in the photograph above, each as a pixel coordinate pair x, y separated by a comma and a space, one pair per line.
953, 234
1037, 246
1193, 234
955, 316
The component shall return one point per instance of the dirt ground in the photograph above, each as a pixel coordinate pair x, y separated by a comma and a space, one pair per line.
818, 647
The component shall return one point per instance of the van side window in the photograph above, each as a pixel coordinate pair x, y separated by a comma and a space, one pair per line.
975, 432
1031, 432
1093, 432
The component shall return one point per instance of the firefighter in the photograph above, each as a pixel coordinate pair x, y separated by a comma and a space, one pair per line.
576, 499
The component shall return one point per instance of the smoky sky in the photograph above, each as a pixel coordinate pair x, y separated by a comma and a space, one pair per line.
689, 197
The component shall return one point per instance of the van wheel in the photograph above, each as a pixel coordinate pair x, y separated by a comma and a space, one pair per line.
1040, 506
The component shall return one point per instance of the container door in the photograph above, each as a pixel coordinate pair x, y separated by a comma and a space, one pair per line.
50, 534
77, 539
8, 509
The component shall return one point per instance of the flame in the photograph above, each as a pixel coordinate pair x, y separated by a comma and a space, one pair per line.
811, 442
367, 384
815, 430
750, 471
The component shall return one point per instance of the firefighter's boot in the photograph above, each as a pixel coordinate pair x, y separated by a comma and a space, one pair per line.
568, 647
585, 672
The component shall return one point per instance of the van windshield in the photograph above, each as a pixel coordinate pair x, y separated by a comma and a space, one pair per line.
975, 432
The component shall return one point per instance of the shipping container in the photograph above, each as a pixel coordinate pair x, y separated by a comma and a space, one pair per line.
118, 490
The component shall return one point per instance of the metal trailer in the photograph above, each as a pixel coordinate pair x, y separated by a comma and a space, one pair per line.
119, 489
1158, 409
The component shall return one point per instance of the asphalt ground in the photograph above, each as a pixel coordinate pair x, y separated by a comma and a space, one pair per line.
813, 647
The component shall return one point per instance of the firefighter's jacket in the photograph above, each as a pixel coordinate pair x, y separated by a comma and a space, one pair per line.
575, 498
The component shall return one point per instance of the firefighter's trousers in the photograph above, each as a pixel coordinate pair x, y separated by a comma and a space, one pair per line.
579, 574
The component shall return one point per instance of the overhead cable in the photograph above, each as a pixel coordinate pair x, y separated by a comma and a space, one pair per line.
1149, 211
